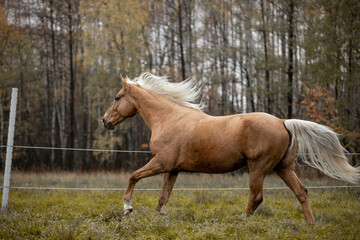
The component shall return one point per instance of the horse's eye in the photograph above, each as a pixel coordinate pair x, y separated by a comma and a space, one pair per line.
117, 98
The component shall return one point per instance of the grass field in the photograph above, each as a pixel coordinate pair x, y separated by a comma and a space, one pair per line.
70, 214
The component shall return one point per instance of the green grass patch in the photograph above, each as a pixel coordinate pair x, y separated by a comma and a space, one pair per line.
64, 214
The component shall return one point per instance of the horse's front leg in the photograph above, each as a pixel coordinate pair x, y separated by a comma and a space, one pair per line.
152, 168
168, 184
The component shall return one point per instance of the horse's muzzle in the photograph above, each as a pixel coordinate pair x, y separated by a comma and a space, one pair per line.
108, 125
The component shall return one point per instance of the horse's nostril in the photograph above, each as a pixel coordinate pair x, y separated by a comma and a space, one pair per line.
103, 121
109, 126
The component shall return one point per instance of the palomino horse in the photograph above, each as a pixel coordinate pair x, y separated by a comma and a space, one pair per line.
186, 139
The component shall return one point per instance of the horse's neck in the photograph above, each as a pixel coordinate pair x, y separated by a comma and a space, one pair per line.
152, 107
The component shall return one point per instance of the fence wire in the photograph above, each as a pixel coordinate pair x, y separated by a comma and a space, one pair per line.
106, 150
149, 189
175, 189
78, 149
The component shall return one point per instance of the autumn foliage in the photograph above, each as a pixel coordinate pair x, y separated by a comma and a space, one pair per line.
292, 59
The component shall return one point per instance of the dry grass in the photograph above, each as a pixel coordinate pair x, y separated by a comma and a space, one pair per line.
39, 214
120, 180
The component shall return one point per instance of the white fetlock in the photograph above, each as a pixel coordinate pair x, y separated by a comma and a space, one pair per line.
127, 207
128, 211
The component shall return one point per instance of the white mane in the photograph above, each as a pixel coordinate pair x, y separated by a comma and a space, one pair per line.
185, 93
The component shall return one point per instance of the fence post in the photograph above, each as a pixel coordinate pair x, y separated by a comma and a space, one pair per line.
9, 150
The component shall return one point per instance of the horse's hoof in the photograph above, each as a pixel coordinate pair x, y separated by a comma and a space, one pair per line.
311, 223
162, 213
128, 211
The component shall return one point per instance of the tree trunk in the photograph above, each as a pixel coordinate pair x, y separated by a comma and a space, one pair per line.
72, 89
291, 41
1, 123
181, 45
245, 68
52, 85
268, 98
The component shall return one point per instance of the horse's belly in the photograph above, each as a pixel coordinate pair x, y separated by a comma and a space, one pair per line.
212, 162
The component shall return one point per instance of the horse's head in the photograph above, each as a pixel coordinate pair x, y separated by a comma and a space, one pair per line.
121, 108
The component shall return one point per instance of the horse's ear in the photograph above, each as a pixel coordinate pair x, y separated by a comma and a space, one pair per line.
124, 83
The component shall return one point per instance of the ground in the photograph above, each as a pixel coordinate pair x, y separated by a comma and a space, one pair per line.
199, 214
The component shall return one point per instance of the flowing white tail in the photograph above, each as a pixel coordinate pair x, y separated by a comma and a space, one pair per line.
319, 147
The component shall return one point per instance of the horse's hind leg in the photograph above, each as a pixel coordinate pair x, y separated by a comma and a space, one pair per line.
286, 170
257, 173
289, 177
256, 191
168, 184
258, 169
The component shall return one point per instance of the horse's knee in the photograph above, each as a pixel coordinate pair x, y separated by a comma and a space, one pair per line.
133, 179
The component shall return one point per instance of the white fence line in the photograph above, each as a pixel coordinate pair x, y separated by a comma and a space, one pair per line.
78, 149
105, 150
177, 189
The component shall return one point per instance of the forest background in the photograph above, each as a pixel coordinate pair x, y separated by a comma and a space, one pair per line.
292, 59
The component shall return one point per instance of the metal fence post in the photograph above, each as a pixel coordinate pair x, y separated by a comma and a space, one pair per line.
9, 150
